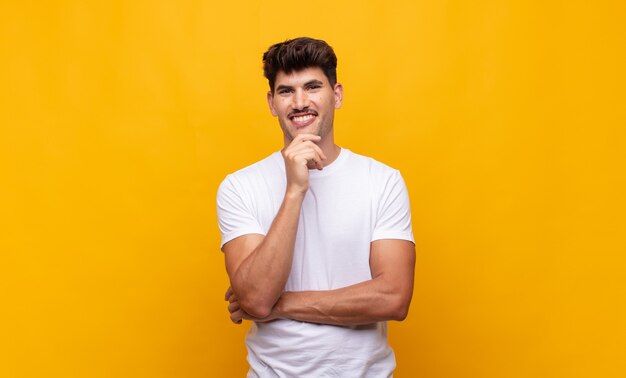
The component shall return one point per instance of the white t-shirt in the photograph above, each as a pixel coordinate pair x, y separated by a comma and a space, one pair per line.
350, 203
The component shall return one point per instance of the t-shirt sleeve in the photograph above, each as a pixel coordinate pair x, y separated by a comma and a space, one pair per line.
234, 217
393, 217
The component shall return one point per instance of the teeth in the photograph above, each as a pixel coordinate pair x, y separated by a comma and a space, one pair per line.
303, 118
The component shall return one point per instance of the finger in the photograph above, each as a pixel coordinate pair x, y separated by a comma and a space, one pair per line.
229, 292
319, 166
233, 298
319, 151
296, 145
232, 307
307, 154
309, 145
236, 316
306, 137
301, 143
305, 157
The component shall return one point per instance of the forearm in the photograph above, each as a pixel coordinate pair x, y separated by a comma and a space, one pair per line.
379, 299
261, 277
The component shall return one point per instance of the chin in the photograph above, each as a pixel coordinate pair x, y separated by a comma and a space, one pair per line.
305, 130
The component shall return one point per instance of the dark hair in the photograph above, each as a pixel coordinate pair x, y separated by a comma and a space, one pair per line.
297, 54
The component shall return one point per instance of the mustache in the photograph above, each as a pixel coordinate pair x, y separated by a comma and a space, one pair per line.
297, 112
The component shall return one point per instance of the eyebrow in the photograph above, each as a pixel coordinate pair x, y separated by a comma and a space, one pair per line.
314, 81
308, 83
278, 88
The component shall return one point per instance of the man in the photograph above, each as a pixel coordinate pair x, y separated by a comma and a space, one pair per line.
317, 239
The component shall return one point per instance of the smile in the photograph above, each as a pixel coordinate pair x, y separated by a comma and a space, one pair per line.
302, 120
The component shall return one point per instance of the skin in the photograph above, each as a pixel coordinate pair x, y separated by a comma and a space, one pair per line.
258, 266
307, 92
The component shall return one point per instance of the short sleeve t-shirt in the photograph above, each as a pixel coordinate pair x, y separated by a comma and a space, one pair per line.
350, 203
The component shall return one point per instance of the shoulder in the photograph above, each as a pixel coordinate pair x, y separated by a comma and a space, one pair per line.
377, 169
385, 182
271, 166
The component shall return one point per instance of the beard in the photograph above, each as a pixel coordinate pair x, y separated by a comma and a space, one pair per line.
291, 133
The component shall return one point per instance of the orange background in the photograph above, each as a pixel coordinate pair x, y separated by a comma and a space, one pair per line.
120, 118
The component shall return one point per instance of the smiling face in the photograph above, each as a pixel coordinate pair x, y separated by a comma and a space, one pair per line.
304, 102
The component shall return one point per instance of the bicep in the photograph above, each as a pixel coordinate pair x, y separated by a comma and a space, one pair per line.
238, 250
393, 260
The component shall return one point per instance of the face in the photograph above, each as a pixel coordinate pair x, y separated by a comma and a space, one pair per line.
304, 102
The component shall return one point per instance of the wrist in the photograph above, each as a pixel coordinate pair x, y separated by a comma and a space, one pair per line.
293, 194
279, 309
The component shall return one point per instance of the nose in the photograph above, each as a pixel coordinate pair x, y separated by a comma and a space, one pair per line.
300, 100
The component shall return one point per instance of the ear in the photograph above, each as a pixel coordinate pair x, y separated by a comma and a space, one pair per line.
338, 95
270, 102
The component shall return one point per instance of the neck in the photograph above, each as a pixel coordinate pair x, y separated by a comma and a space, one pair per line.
331, 154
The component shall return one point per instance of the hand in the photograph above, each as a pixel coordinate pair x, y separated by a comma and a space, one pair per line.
237, 314
302, 154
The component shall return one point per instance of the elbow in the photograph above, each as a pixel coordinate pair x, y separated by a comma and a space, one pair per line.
400, 313
400, 310
253, 300
255, 308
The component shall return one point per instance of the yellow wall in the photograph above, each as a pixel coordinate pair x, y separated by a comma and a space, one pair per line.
120, 118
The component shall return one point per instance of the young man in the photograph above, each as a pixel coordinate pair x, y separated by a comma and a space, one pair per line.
317, 239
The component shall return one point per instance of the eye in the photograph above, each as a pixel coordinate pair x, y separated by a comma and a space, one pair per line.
285, 90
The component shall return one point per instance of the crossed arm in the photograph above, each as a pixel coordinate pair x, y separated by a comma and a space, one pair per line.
258, 266
385, 297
